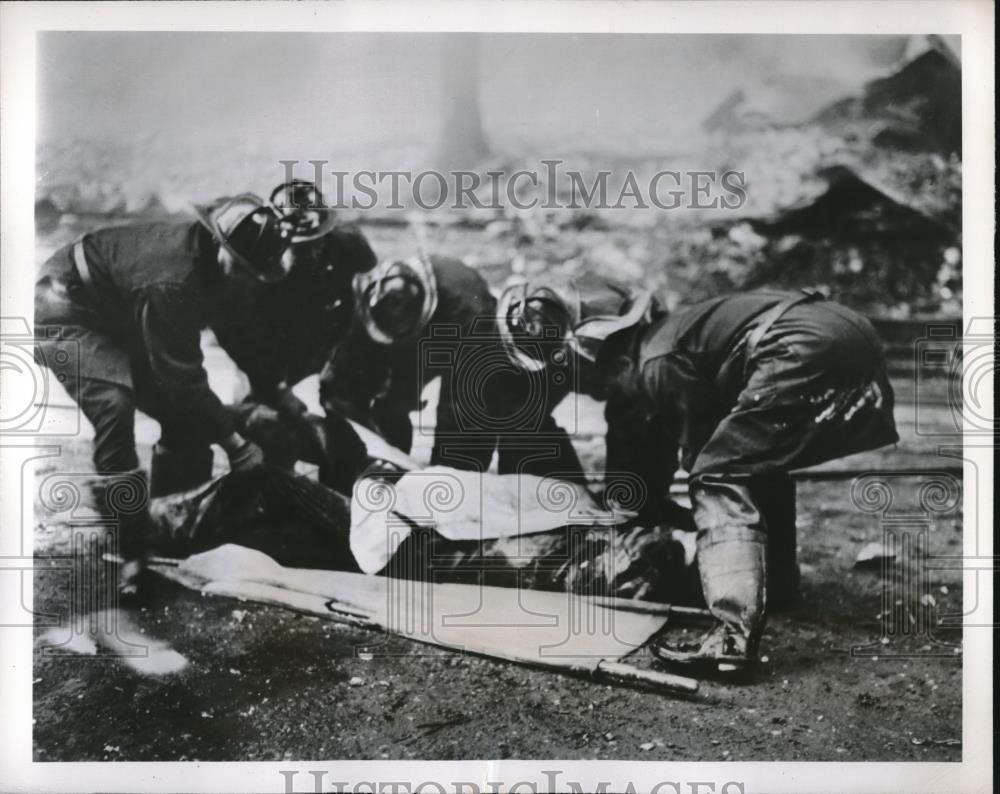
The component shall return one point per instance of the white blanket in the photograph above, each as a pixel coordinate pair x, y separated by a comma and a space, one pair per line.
463, 505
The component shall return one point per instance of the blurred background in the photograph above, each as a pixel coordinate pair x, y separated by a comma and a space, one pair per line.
850, 146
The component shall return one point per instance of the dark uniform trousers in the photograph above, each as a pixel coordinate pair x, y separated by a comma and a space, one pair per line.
106, 371
107, 381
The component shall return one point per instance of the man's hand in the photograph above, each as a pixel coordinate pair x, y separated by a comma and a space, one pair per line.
288, 404
243, 454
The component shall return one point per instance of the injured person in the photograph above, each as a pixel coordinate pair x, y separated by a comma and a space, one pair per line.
438, 525
746, 388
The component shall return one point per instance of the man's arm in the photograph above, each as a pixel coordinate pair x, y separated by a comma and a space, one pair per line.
356, 373
640, 442
170, 322
252, 337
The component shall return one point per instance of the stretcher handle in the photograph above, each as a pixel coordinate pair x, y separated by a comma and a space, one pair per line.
646, 607
618, 672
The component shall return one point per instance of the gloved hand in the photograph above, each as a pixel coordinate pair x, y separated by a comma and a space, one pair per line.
245, 455
288, 404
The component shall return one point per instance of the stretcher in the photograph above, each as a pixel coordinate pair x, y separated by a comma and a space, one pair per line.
562, 632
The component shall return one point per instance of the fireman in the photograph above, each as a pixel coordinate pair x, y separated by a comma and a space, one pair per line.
133, 301
314, 305
290, 333
429, 317
746, 388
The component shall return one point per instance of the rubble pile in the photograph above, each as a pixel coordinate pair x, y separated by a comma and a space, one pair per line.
917, 108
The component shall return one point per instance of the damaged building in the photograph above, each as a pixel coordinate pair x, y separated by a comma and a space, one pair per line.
916, 108
855, 233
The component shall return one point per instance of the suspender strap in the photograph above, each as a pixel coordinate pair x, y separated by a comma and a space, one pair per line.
82, 268
80, 260
770, 319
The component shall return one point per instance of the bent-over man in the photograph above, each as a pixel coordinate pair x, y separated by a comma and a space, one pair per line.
134, 300
747, 388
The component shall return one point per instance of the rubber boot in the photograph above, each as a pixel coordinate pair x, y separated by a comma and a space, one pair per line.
732, 563
774, 495
175, 470
124, 500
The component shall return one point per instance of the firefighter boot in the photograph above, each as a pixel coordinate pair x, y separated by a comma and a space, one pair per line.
124, 500
732, 562
774, 495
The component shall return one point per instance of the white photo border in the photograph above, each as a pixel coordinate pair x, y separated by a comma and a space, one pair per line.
971, 19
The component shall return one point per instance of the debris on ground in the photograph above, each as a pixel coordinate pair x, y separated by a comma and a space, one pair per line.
936, 742
873, 556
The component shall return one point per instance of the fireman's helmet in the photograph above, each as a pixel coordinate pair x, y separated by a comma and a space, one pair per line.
397, 299
534, 318
250, 231
535, 322
303, 211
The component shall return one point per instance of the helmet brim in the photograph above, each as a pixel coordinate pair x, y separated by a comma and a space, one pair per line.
514, 348
589, 334
205, 215
366, 281
320, 223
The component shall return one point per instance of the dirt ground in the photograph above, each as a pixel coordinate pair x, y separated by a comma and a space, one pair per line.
857, 671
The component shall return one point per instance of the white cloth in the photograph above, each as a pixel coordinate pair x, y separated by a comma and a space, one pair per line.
463, 505
380, 449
